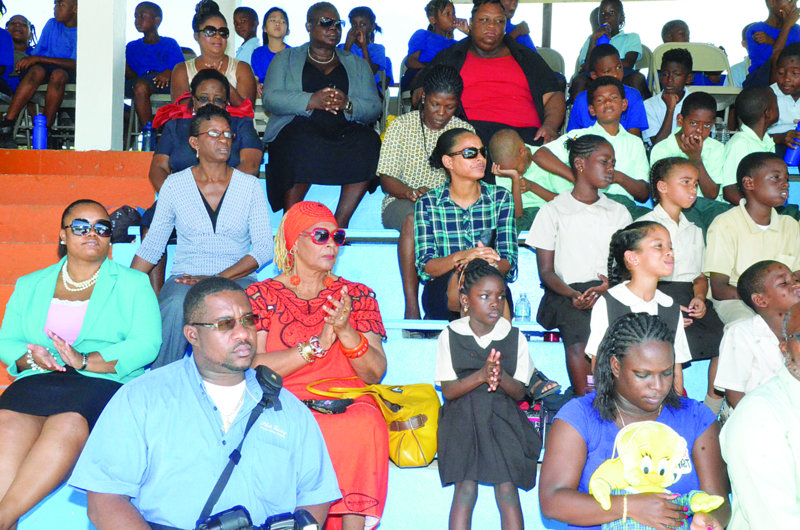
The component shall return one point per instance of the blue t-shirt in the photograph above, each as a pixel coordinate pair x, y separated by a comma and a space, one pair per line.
7, 56
57, 41
377, 54
260, 60
633, 117
525, 40
690, 421
160, 441
156, 57
428, 44
761, 53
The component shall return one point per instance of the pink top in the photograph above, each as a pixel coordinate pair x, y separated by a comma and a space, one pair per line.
497, 90
65, 318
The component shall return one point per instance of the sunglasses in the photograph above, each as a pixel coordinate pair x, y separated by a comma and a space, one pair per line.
227, 324
216, 134
218, 102
328, 23
210, 31
470, 152
81, 227
320, 236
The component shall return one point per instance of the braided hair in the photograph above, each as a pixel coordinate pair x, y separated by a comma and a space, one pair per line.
366, 12
204, 10
623, 240
583, 147
661, 170
627, 331
474, 272
440, 79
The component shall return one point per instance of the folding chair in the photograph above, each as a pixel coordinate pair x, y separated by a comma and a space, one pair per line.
553, 59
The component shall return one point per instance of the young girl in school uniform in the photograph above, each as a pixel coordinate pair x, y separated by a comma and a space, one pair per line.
673, 185
571, 235
639, 256
483, 366
424, 44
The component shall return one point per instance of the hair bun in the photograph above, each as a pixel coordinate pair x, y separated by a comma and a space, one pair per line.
206, 6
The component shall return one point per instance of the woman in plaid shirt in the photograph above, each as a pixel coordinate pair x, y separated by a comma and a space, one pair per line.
460, 221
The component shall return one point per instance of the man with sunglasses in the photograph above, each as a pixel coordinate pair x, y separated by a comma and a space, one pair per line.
160, 445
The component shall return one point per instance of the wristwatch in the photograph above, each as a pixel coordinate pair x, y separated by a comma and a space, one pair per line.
85, 362
349, 107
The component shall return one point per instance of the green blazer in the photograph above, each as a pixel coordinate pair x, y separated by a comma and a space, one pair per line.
122, 321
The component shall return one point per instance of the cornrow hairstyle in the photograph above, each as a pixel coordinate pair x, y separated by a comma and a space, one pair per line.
196, 296
440, 79
792, 51
698, 101
151, 7
366, 12
434, 7
31, 29
210, 74
752, 281
601, 52
627, 331
661, 171
583, 147
477, 4
606, 80
475, 271
204, 10
271, 10
62, 249
204, 114
671, 26
445, 145
623, 240
620, 9
313, 12
750, 164
679, 56
752, 102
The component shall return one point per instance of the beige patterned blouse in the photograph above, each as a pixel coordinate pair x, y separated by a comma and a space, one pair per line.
405, 151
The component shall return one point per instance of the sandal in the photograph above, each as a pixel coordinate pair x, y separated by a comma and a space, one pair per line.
537, 383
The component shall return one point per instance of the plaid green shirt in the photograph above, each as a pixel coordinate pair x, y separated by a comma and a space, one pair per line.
441, 227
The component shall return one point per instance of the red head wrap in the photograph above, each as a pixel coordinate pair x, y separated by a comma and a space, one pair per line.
302, 216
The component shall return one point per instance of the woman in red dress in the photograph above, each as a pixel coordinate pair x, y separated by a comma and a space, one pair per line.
313, 325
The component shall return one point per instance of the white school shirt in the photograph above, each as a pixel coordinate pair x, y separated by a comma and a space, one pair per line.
749, 356
579, 234
444, 361
656, 110
788, 111
687, 244
599, 320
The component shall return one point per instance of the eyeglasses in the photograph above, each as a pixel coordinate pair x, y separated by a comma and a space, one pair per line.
470, 152
216, 134
320, 236
81, 227
327, 23
217, 101
227, 324
210, 31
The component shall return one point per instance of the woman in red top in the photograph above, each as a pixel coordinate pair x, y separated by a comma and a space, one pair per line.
313, 325
505, 83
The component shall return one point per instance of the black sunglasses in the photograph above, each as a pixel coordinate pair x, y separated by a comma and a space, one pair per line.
320, 236
227, 324
327, 23
81, 227
470, 152
210, 31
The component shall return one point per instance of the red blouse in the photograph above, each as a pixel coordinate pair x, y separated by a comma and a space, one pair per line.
497, 90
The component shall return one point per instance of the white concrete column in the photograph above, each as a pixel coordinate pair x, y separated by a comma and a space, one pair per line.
100, 75
227, 7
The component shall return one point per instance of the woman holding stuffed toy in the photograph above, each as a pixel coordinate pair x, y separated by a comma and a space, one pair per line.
634, 383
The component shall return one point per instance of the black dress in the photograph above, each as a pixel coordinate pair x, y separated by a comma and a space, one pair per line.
323, 148
484, 436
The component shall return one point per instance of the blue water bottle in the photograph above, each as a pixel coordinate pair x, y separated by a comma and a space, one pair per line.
40, 131
522, 309
603, 39
148, 137
792, 156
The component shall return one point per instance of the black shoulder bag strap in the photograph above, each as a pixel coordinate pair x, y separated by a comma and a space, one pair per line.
271, 384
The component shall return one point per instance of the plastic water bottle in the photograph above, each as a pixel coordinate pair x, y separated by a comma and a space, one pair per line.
603, 39
522, 309
792, 156
148, 137
40, 131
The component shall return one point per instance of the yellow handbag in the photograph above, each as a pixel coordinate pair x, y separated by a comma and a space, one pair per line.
411, 413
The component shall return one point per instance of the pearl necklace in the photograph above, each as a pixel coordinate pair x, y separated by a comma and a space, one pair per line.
78, 286
329, 61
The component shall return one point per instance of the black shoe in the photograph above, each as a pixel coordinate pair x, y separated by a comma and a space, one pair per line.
7, 137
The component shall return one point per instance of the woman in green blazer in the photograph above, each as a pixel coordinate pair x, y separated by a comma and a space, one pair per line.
72, 334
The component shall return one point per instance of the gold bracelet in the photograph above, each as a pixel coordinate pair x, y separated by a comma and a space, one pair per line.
306, 352
624, 508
